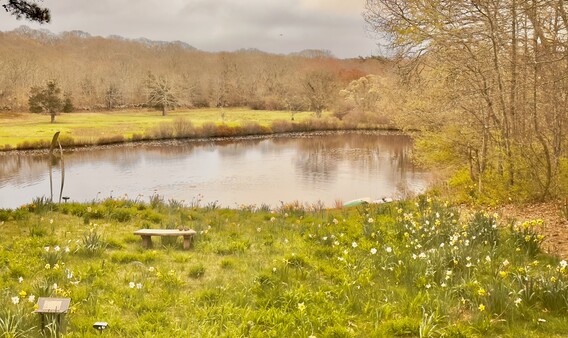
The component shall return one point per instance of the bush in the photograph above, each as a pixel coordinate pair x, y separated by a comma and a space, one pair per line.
282, 126
183, 128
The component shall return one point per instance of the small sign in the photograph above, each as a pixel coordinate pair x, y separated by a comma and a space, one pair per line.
52, 305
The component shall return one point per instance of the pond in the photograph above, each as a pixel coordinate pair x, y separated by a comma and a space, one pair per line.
309, 168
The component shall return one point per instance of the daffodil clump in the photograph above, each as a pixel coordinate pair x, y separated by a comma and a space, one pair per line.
412, 268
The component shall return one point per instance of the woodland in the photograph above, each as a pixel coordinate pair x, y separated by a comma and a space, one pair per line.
113, 73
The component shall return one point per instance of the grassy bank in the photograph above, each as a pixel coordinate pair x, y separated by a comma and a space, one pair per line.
29, 131
416, 268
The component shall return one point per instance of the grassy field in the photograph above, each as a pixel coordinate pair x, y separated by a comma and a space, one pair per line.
406, 269
89, 127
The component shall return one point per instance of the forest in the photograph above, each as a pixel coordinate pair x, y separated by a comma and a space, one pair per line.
113, 73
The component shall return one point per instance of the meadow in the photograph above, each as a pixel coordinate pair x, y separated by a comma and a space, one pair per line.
28, 131
415, 268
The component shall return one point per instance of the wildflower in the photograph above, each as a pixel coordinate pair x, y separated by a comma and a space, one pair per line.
503, 274
563, 264
553, 279
324, 238
54, 286
427, 286
481, 307
482, 292
47, 266
258, 229
15, 300
336, 243
56, 248
51, 221
151, 269
31, 299
23, 294
139, 286
335, 221
46, 248
345, 252
272, 219
370, 220
373, 251
505, 262
541, 320
67, 249
301, 307
517, 302
422, 255
274, 270
443, 285
488, 259
354, 244
131, 285
69, 274
388, 249
20, 279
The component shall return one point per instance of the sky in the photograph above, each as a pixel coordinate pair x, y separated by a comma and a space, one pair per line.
276, 26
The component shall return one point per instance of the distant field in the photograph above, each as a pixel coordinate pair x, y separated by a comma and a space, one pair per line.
16, 128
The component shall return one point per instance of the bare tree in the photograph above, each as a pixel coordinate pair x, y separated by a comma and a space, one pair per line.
160, 93
498, 65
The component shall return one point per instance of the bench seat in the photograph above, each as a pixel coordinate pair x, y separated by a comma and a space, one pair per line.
147, 234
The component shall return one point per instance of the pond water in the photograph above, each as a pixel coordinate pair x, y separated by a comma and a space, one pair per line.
306, 168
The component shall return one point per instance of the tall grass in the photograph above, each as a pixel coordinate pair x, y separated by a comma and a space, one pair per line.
409, 268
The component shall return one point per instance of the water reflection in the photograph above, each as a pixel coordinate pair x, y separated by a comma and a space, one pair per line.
304, 168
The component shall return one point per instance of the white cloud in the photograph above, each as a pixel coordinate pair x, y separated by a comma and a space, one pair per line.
270, 25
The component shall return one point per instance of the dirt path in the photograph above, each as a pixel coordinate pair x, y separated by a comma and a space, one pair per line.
555, 223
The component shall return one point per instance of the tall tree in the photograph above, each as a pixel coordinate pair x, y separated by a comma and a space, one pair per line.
27, 9
161, 93
320, 89
498, 66
46, 100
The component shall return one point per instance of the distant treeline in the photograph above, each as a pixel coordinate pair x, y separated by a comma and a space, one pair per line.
110, 73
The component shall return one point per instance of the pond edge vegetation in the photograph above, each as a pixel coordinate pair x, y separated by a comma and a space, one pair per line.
182, 128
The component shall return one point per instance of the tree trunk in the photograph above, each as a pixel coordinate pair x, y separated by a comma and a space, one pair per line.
52, 114
164, 111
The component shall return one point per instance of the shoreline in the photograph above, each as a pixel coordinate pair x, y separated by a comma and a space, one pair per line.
173, 141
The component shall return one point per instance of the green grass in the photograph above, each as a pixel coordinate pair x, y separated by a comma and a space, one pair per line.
404, 269
89, 127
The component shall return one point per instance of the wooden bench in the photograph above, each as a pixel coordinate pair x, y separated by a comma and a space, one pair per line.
147, 234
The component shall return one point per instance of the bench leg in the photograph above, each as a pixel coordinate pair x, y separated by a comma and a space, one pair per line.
187, 242
147, 241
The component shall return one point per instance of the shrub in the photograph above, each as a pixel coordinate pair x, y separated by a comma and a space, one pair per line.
183, 127
282, 126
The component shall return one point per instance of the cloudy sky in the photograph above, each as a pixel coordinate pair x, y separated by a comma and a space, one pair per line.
278, 26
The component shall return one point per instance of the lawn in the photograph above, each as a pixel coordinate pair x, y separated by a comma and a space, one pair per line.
88, 127
403, 269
